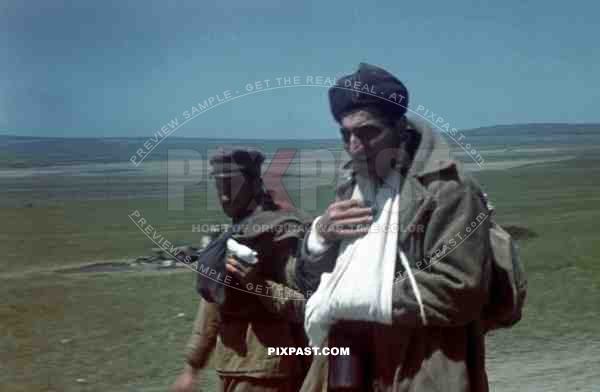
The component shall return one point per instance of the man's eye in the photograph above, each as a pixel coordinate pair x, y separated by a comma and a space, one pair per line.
369, 133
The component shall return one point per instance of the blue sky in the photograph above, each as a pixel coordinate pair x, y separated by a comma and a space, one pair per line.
125, 68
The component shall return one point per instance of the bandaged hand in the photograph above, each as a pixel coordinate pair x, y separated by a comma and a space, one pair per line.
243, 272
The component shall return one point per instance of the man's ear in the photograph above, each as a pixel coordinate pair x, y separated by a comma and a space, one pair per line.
401, 123
400, 126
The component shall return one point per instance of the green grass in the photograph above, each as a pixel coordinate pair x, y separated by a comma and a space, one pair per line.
123, 330
560, 203
67, 232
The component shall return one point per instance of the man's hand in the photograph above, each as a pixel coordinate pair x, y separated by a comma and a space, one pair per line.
186, 382
337, 221
244, 273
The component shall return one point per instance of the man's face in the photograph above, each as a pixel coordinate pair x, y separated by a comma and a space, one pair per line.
369, 141
235, 194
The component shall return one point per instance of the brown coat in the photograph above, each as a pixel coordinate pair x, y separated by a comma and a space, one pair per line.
441, 213
242, 329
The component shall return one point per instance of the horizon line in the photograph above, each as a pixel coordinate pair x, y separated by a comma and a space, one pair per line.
587, 124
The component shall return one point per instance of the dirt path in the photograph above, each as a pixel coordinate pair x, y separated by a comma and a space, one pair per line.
565, 365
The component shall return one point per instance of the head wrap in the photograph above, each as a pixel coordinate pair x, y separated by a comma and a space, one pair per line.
368, 87
236, 162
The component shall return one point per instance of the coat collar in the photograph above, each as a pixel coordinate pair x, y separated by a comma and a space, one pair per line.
431, 158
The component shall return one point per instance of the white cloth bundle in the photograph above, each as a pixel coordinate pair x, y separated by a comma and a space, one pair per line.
242, 252
360, 285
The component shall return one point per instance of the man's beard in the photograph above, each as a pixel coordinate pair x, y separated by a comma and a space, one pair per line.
375, 167
361, 164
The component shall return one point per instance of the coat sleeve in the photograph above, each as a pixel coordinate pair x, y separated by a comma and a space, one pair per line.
283, 297
302, 275
453, 278
204, 336
310, 266
285, 300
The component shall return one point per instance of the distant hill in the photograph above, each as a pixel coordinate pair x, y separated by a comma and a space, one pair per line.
537, 134
539, 127
28, 152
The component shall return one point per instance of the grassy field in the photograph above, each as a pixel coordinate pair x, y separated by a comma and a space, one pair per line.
121, 332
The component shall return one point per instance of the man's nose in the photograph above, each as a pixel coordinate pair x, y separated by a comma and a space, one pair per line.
355, 144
